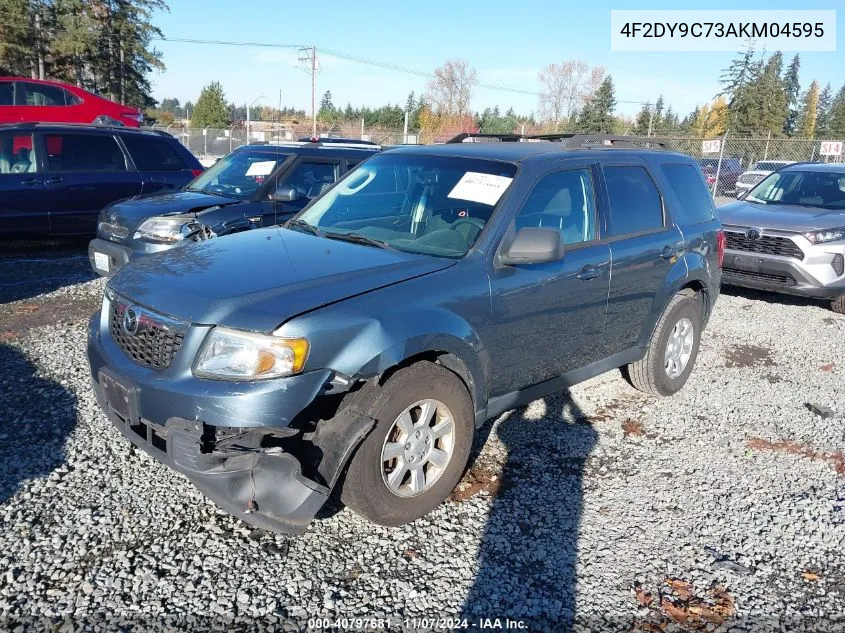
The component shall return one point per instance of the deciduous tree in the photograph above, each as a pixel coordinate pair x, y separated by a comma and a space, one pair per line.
450, 91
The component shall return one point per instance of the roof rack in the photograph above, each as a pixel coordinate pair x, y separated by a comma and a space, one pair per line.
569, 140
335, 144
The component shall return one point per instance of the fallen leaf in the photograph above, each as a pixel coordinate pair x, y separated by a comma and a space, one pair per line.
632, 427
674, 612
827, 367
643, 598
808, 575
26, 308
707, 614
409, 554
680, 587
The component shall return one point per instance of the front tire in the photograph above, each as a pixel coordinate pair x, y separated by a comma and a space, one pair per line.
838, 305
417, 451
672, 350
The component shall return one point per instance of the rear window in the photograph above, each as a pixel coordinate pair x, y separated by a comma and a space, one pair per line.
153, 153
695, 204
635, 205
32, 94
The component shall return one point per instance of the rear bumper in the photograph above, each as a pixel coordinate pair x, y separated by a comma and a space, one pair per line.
776, 274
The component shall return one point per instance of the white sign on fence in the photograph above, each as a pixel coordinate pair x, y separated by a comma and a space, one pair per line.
831, 148
205, 131
711, 147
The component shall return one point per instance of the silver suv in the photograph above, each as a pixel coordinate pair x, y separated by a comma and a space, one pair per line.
788, 234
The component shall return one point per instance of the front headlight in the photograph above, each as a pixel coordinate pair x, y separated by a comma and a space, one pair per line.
237, 355
164, 229
825, 235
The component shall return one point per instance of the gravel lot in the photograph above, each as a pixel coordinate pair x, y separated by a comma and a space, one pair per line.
618, 510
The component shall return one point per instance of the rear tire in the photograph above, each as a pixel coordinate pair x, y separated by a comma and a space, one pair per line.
672, 350
396, 490
838, 305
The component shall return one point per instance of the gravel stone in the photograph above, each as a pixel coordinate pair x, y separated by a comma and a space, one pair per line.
734, 472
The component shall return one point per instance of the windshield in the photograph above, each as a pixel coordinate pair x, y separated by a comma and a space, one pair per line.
423, 204
767, 166
802, 188
239, 174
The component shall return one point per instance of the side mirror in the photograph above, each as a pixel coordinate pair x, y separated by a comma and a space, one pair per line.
287, 194
533, 246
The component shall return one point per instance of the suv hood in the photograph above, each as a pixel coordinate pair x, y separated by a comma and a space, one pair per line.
133, 211
256, 280
781, 217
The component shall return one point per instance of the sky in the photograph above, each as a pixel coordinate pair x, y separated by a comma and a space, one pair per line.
507, 44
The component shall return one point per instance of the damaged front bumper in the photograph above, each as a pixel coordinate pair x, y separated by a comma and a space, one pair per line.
231, 440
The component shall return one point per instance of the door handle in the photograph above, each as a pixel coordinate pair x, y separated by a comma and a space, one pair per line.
589, 272
669, 252
30, 181
55, 180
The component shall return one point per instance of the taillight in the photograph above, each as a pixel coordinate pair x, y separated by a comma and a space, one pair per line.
196, 172
720, 247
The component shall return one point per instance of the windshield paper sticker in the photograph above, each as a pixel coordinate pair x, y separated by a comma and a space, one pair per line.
478, 187
261, 168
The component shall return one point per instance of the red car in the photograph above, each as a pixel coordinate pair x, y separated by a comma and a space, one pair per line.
31, 100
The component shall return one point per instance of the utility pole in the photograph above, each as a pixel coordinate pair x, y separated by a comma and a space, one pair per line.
310, 55
405, 130
650, 119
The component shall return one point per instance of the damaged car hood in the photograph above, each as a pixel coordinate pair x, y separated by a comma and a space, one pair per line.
132, 212
256, 280
780, 217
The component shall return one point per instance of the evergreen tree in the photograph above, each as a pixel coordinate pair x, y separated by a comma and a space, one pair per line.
823, 119
411, 103
808, 113
211, 109
644, 117
658, 114
837, 114
327, 110
772, 99
597, 115
792, 87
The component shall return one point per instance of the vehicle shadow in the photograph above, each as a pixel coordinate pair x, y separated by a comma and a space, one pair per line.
31, 268
773, 297
528, 554
37, 416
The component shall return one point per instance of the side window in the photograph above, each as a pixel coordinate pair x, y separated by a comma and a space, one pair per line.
564, 201
7, 93
695, 203
635, 204
31, 94
16, 154
311, 178
153, 153
83, 152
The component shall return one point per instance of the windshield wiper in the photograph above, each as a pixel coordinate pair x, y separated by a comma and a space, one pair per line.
357, 238
302, 224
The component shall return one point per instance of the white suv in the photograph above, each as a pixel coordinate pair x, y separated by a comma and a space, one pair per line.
759, 170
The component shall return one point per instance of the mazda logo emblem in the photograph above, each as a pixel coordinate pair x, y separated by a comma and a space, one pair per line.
753, 234
130, 320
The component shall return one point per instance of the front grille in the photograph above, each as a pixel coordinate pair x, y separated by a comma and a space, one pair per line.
766, 244
113, 232
785, 280
156, 340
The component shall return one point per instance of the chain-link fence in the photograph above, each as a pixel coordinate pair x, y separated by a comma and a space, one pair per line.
725, 160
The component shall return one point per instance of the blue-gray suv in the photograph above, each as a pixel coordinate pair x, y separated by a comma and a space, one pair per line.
432, 288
